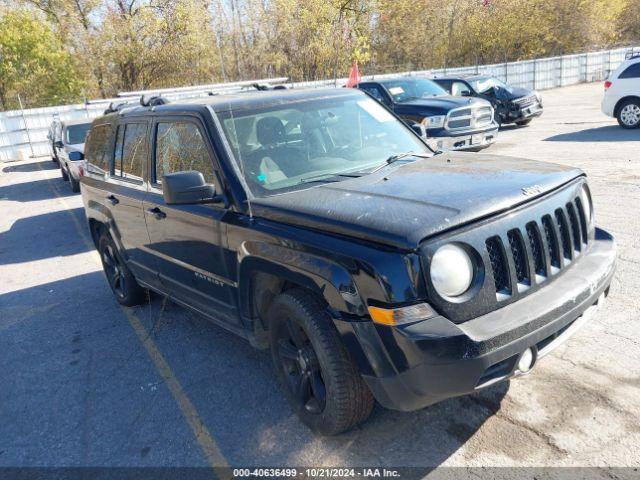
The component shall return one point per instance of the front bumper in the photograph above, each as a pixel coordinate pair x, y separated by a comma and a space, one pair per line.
417, 365
476, 140
531, 111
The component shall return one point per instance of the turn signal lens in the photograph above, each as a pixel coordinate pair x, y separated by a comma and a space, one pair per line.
402, 315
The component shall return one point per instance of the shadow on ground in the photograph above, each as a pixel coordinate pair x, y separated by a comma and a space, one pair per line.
609, 133
34, 190
56, 231
32, 167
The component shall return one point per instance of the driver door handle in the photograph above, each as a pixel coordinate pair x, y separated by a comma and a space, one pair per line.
113, 199
156, 212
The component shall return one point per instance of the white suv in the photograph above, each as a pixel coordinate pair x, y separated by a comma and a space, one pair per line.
622, 93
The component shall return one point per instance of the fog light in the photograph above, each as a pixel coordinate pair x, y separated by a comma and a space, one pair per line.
526, 361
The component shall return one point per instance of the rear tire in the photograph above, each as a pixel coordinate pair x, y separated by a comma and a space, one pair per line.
65, 177
75, 184
122, 282
320, 381
629, 114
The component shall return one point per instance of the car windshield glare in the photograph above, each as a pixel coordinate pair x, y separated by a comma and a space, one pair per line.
412, 89
77, 133
280, 147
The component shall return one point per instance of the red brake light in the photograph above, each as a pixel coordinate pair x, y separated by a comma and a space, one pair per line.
607, 84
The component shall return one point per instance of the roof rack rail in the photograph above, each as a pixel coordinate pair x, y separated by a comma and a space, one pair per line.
116, 107
267, 86
153, 100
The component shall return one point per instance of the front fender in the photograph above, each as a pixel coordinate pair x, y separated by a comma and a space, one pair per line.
327, 278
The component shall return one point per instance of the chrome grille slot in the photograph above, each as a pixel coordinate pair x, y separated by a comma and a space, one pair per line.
583, 220
519, 256
499, 265
462, 112
565, 237
575, 227
552, 242
536, 248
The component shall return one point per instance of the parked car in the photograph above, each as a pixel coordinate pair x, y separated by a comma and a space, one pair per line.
451, 123
622, 93
53, 135
70, 151
317, 224
511, 104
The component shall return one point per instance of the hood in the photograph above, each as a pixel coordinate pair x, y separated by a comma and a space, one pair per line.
517, 92
441, 104
402, 205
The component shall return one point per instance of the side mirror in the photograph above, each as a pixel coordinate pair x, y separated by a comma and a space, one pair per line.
465, 93
419, 129
182, 188
75, 156
58, 144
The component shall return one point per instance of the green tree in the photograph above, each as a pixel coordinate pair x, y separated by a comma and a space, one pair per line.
34, 63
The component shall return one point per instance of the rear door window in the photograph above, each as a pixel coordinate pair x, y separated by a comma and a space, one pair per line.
180, 146
99, 147
131, 152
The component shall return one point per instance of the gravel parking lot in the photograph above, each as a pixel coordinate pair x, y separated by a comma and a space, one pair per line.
84, 382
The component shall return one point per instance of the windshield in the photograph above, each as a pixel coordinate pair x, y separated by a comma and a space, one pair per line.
287, 146
483, 84
412, 89
77, 133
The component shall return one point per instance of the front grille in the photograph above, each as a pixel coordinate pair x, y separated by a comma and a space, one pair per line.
467, 118
525, 101
540, 249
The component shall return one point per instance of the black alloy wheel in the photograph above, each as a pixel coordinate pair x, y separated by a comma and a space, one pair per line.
320, 381
122, 282
302, 370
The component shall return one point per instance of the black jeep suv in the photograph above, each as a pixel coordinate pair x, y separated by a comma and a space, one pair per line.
512, 104
317, 224
450, 123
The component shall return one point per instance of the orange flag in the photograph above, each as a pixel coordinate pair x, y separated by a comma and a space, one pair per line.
354, 76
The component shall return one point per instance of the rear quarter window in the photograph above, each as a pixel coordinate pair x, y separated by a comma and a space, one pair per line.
632, 71
99, 147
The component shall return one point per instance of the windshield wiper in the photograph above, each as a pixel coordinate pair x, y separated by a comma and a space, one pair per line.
400, 156
328, 177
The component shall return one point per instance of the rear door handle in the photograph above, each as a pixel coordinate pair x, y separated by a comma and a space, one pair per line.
156, 212
113, 200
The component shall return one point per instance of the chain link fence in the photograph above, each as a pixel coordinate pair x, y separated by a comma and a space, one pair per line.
23, 133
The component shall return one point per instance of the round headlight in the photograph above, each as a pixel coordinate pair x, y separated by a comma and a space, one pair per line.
585, 199
451, 270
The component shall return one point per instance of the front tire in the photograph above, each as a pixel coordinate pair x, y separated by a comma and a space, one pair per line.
320, 381
75, 184
629, 114
523, 123
122, 282
63, 172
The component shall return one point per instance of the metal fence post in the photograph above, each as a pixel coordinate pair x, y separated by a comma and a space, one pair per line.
26, 128
534, 74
